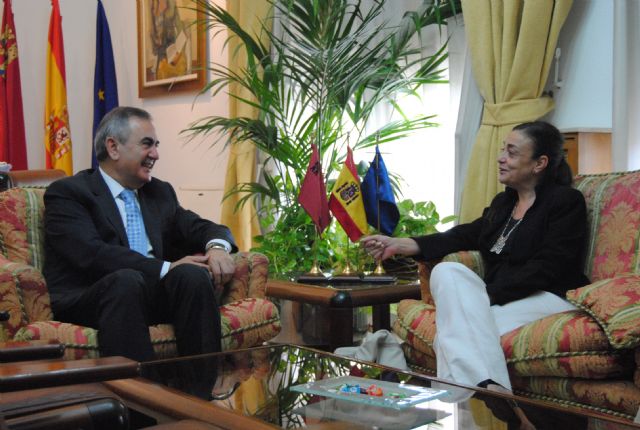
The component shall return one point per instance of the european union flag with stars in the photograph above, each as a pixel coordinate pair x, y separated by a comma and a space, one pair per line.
379, 202
105, 85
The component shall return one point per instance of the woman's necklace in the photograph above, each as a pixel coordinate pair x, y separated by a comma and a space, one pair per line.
502, 239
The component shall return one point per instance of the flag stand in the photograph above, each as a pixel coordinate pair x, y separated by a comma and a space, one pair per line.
314, 274
379, 270
348, 272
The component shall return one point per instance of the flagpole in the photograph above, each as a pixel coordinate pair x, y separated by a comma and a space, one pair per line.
379, 270
312, 198
347, 272
315, 269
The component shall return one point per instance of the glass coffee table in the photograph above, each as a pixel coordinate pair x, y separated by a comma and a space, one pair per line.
285, 386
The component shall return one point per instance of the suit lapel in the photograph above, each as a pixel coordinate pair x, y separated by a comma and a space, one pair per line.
108, 206
151, 215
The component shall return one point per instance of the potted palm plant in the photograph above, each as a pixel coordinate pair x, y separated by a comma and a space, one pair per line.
330, 63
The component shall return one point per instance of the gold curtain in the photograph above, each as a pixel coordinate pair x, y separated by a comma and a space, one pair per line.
512, 43
241, 166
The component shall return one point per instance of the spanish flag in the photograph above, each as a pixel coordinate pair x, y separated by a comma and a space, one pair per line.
57, 136
346, 200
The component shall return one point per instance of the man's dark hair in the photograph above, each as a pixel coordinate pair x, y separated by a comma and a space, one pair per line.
115, 124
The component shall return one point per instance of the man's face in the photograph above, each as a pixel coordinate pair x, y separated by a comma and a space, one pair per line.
136, 156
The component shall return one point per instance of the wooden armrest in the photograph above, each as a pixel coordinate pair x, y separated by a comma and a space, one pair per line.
34, 178
185, 425
49, 373
169, 402
32, 350
108, 413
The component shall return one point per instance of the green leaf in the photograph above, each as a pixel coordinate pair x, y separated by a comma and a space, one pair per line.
319, 80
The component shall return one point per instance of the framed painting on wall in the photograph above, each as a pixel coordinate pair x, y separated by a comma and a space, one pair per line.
171, 47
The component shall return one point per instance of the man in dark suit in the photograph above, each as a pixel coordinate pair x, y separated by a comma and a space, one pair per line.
94, 275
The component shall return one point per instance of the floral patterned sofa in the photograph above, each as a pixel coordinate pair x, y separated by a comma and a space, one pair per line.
248, 318
590, 357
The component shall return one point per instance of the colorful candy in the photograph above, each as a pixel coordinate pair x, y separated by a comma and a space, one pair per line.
346, 388
372, 390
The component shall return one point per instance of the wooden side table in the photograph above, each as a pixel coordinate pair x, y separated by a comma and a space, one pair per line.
342, 299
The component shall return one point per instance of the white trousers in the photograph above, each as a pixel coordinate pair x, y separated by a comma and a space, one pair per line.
468, 329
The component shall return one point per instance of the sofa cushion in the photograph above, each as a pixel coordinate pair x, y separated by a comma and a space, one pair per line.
416, 325
616, 397
79, 342
249, 278
82, 342
569, 344
245, 323
21, 226
419, 361
613, 212
615, 304
23, 294
248, 323
471, 259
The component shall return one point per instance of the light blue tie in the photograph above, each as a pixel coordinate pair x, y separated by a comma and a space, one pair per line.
135, 225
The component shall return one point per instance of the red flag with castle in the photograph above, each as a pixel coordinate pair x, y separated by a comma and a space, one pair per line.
346, 200
57, 136
13, 147
313, 194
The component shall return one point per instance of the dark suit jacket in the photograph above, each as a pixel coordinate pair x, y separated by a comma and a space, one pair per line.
546, 252
85, 238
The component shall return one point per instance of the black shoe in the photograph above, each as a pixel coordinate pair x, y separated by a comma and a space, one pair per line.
501, 408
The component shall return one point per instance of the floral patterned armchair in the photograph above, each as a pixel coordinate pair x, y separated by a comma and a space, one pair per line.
590, 357
248, 318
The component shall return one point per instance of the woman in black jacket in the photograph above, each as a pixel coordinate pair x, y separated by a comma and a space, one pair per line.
532, 239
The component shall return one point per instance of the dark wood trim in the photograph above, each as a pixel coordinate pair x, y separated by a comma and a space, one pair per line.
168, 402
48, 373
34, 350
341, 298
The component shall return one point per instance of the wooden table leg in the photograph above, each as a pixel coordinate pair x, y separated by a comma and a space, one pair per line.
381, 317
340, 328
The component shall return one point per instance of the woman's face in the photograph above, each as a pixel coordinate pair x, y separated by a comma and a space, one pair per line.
516, 167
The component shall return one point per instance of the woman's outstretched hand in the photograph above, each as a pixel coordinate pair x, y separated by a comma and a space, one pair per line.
382, 247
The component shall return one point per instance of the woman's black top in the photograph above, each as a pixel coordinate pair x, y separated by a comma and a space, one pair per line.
545, 252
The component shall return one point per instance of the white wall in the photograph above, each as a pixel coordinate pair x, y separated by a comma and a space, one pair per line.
586, 68
193, 168
197, 171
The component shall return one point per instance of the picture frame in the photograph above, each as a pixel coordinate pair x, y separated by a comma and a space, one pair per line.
171, 47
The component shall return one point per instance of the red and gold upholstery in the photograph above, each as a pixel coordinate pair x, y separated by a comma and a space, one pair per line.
589, 357
248, 318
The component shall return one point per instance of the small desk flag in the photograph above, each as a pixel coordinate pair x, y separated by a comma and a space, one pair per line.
313, 194
57, 134
346, 200
13, 147
379, 202
105, 85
